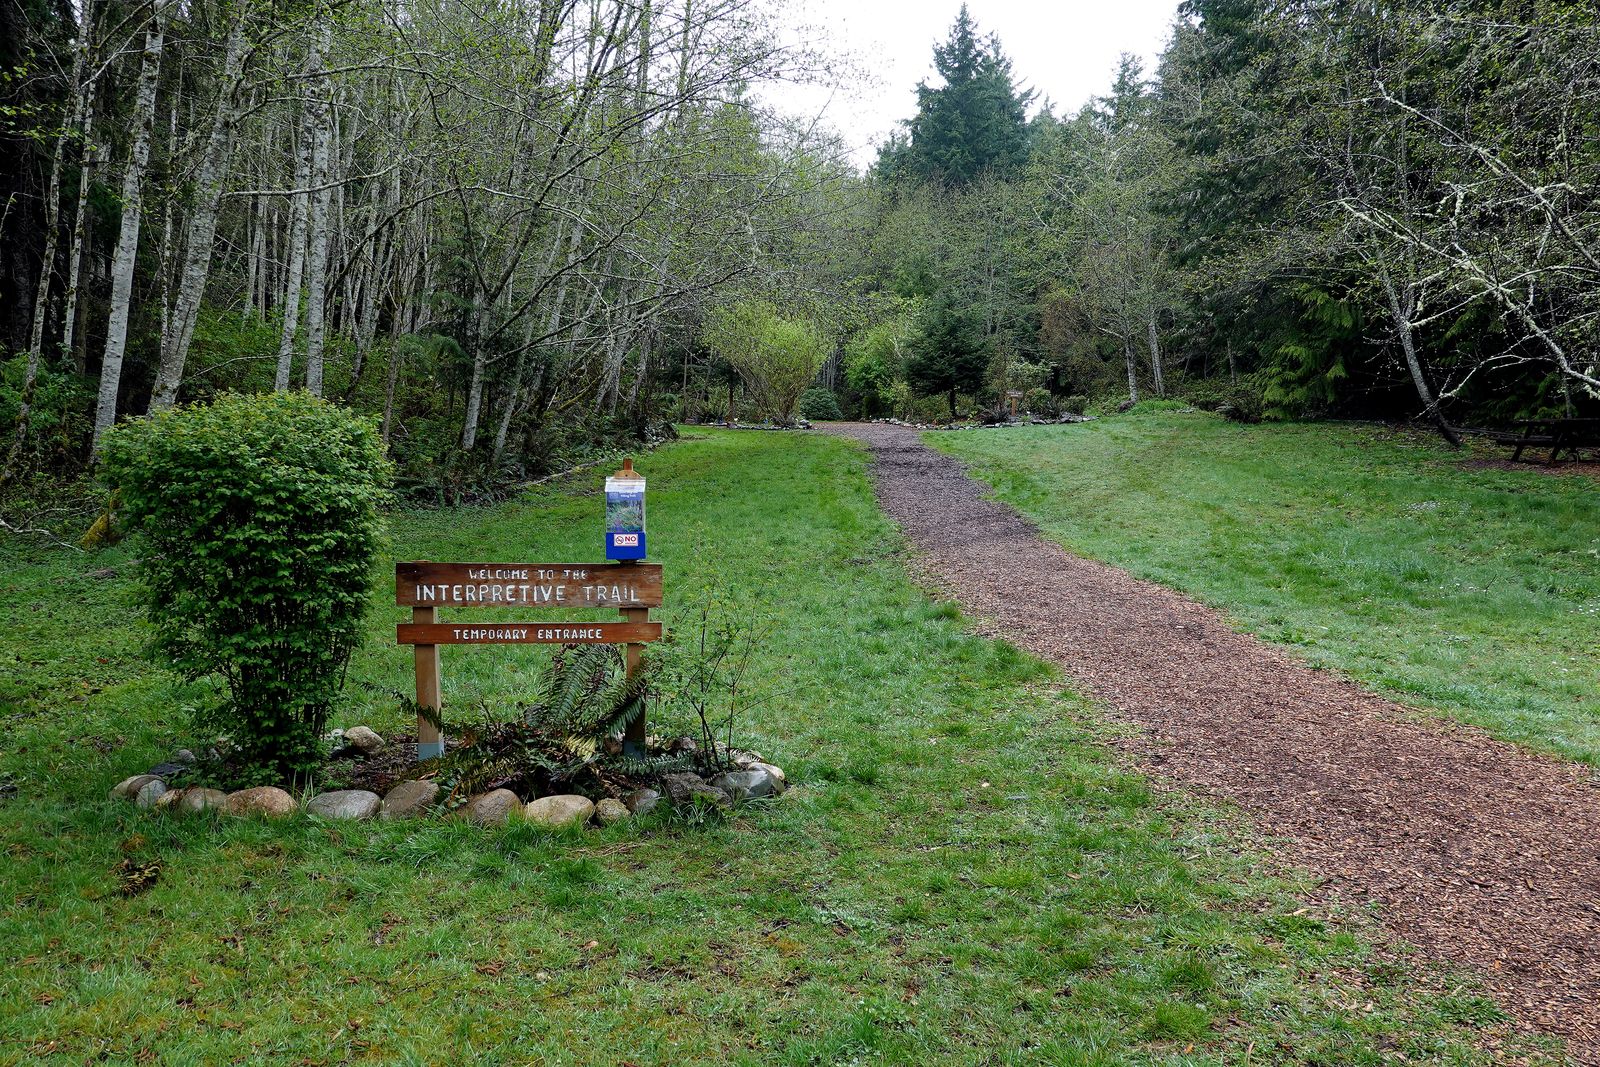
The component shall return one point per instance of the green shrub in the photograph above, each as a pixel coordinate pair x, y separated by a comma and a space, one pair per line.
929, 409
57, 416
874, 363
1076, 404
776, 356
1207, 394
262, 520
1041, 403
899, 400
1243, 402
820, 404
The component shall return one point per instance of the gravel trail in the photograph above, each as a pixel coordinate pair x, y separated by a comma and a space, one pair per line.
1477, 851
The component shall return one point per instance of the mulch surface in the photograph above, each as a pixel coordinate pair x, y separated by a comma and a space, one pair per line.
1476, 851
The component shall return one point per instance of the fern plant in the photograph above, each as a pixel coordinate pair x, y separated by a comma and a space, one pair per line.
585, 699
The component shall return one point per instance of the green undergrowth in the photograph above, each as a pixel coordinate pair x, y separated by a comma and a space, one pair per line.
1467, 589
962, 873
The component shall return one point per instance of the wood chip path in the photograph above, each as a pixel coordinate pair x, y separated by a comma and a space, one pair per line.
1476, 851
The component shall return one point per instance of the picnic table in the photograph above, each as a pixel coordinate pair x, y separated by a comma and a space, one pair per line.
1558, 435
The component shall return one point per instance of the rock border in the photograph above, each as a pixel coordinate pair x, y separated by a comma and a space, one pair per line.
749, 778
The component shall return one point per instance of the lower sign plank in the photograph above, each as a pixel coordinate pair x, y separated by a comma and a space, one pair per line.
527, 633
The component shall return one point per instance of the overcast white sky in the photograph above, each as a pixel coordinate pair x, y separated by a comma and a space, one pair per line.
1066, 50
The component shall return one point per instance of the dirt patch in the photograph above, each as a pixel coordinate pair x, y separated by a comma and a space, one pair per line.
1583, 468
1476, 851
380, 772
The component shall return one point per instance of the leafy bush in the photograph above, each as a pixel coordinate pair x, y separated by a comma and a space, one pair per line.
1024, 375
820, 404
262, 520
776, 357
1305, 373
1243, 402
1075, 404
928, 409
1040, 402
899, 400
1207, 394
874, 364
236, 352
57, 417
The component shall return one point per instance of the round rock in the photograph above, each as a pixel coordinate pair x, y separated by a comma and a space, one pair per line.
779, 779
609, 811
345, 804
129, 788
150, 794
409, 798
364, 740
745, 785
686, 788
267, 800
568, 810
641, 801
493, 808
197, 800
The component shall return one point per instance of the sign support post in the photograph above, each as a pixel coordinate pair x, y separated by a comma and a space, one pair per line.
430, 742
625, 544
633, 739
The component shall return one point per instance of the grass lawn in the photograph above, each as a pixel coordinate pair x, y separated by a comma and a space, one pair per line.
962, 874
1472, 591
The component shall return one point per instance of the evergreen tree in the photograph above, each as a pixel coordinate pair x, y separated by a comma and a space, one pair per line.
976, 121
949, 353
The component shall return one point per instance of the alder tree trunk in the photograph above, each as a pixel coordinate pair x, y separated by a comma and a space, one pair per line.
1403, 308
47, 266
317, 235
573, 237
127, 247
202, 229
642, 371
1159, 379
1133, 370
297, 251
80, 220
480, 359
73, 343
378, 251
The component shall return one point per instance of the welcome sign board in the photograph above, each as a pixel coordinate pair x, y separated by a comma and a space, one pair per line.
629, 588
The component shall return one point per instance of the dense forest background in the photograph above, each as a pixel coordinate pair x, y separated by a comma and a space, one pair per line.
519, 231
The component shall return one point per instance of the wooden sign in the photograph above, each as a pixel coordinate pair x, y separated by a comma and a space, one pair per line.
630, 588
527, 633
555, 585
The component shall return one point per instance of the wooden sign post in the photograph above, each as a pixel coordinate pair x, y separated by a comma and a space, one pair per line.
629, 588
